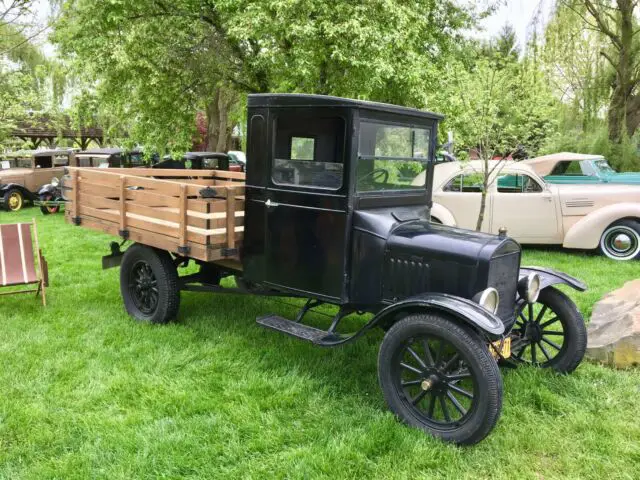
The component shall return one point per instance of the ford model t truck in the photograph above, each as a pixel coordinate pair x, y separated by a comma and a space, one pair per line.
329, 213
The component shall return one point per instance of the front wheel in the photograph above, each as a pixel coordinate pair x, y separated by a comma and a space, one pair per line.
440, 377
149, 284
549, 334
13, 200
621, 241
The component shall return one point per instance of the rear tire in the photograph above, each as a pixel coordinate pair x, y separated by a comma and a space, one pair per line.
439, 377
621, 241
149, 284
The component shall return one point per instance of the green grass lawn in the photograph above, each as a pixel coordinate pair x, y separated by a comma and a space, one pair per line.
86, 392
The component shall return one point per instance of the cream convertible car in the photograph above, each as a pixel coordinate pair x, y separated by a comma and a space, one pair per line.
590, 216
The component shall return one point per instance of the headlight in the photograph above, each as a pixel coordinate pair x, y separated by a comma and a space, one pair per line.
488, 299
529, 287
55, 182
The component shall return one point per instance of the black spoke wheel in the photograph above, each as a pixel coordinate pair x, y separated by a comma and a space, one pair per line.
438, 376
549, 333
149, 284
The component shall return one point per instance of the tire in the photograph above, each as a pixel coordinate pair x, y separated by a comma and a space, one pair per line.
13, 200
621, 241
48, 210
416, 381
550, 334
149, 284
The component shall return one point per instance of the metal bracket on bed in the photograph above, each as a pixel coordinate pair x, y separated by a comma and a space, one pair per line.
184, 250
76, 221
229, 252
124, 234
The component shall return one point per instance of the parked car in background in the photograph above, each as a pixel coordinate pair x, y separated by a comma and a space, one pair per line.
20, 183
603, 216
567, 167
237, 158
109, 158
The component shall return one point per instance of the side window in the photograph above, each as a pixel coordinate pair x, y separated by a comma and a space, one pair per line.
468, 183
518, 183
309, 152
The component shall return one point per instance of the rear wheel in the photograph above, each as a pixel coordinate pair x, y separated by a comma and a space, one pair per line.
13, 200
440, 377
149, 284
621, 241
46, 210
550, 333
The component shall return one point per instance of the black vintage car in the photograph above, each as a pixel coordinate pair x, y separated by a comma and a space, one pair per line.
332, 215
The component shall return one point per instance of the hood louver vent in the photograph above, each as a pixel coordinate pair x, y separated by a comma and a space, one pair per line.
405, 277
582, 203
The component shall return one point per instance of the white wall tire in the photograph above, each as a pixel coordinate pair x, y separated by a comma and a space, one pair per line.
621, 241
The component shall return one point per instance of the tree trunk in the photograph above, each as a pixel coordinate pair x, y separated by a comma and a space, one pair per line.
485, 187
219, 126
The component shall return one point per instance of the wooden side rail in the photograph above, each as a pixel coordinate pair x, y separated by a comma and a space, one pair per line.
200, 221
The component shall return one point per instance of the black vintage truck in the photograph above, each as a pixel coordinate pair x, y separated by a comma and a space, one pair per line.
330, 211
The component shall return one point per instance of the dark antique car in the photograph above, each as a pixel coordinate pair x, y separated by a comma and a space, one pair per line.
22, 181
329, 217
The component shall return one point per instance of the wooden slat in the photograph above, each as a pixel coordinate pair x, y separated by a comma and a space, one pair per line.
231, 219
123, 204
183, 215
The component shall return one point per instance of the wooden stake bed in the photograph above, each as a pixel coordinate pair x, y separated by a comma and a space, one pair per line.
193, 213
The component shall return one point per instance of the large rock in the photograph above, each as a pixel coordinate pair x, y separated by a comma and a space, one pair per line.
614, 331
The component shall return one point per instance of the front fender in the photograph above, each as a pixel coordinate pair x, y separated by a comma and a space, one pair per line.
443, 215
464, 310
587, 231
550, 277
4, 188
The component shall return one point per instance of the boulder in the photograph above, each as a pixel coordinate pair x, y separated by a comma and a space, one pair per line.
613, 335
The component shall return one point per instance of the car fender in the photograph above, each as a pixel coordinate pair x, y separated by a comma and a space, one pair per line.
462, 309
549, 277
587, 231
443, 215
4, 188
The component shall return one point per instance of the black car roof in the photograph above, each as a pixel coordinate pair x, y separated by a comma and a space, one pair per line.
306, 100
190, 155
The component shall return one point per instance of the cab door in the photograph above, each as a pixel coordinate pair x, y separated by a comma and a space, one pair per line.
306, 204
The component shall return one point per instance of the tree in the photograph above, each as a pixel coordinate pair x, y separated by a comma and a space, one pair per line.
497, 106
616, 22
154, 63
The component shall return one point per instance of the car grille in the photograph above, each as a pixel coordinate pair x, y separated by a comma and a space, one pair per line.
503, 276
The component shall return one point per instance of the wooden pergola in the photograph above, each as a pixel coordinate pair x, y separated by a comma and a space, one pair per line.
41, 131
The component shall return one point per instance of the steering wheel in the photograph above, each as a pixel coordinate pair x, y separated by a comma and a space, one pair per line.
378, 175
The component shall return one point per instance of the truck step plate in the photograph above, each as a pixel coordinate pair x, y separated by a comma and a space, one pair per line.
294, 329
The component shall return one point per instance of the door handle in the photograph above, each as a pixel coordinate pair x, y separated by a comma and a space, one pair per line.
270, 205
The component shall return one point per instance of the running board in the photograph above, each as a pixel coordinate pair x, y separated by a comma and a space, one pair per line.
298, 330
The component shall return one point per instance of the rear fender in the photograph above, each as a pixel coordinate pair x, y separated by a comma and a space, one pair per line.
549, 277
587, 231
463, 310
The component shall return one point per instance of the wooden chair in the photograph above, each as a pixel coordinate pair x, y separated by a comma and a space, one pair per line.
18, 261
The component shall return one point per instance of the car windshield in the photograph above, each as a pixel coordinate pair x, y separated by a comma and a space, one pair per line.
390, 157
604, 166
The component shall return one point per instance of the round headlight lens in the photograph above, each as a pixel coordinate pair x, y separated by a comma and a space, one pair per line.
488, 299
529, 287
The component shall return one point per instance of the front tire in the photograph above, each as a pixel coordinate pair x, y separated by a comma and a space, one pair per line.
48, 210
149, 284
439, 377
13, 200
621, 241
550, 333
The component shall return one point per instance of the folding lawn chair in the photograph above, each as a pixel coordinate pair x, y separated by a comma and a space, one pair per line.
17, 259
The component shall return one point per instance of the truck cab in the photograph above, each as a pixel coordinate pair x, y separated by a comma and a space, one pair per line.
333, 210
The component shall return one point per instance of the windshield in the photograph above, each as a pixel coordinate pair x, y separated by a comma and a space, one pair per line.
604, 166
390, 157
